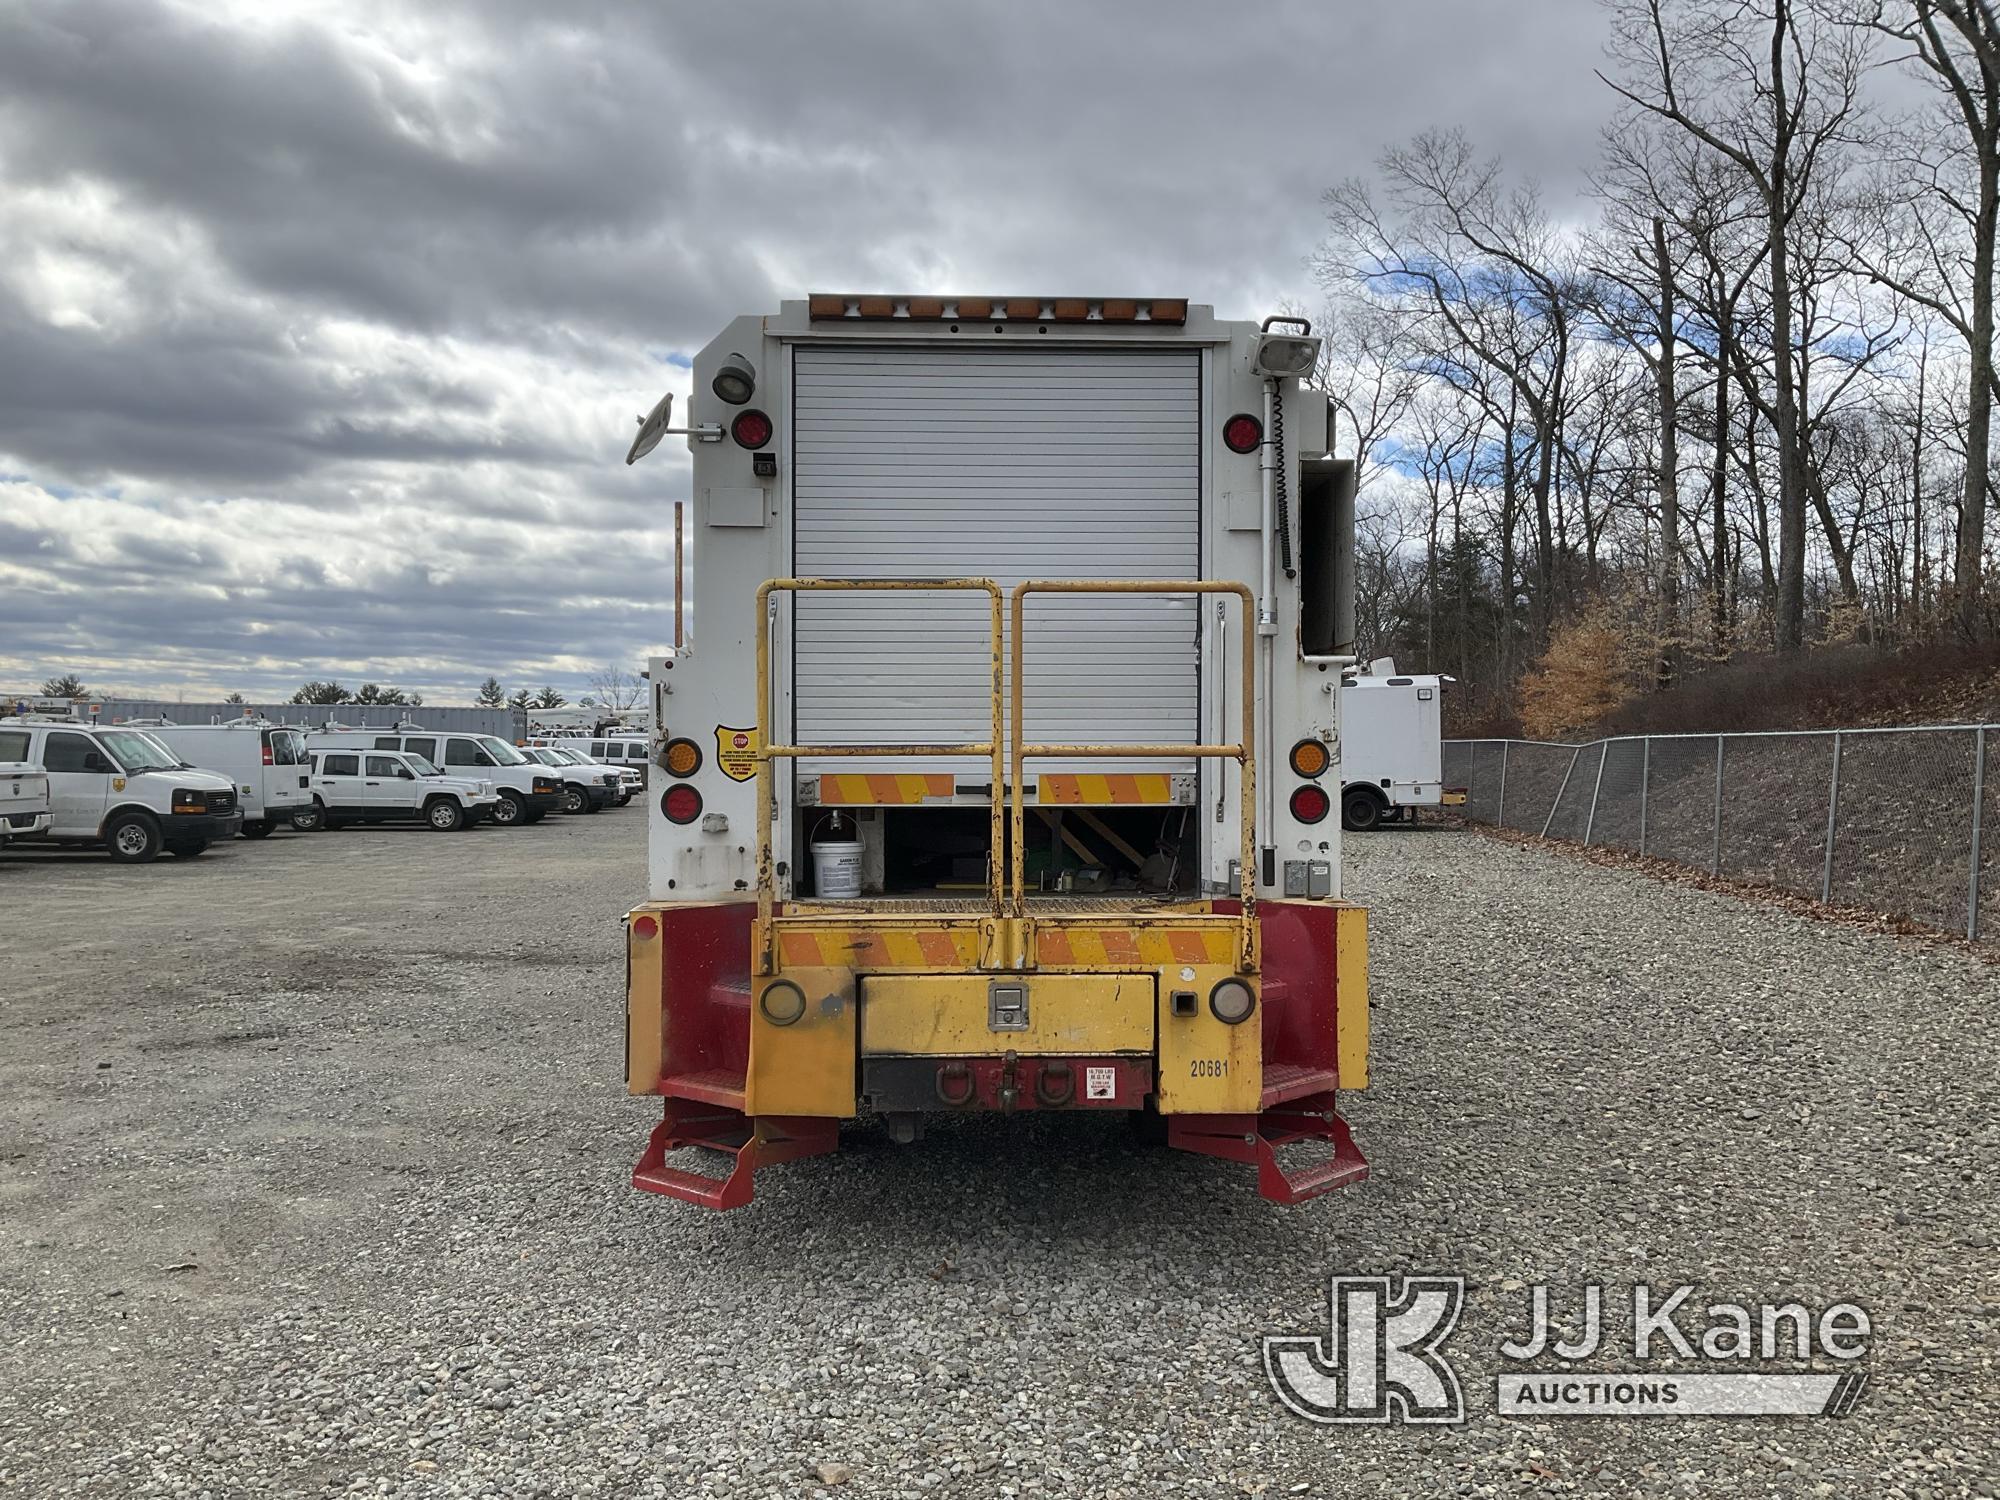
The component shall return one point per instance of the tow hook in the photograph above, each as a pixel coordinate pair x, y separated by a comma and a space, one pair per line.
1010, 1088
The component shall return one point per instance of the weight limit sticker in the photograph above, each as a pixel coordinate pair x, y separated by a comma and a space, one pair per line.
1100, 1083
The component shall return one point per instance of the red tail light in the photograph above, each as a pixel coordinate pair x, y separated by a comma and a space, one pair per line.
681, 804
268, 760
751, 429
1310, 804
1242, 433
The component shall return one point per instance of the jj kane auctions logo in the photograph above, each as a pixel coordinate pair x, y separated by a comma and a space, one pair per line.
1382, 1358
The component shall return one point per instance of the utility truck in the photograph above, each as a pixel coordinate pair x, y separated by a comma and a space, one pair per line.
1391, 746
995, 758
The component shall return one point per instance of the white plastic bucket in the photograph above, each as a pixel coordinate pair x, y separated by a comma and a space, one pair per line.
837, 870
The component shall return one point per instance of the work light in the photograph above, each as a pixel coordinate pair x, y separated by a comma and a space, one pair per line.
1284, 354
735, 380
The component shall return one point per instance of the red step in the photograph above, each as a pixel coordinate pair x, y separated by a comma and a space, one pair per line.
732, 993
1285, 1081
714, 1086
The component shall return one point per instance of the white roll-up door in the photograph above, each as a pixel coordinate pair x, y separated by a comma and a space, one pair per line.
1004, 464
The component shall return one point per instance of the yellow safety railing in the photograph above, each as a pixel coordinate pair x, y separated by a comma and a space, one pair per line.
1243, 751
768, 753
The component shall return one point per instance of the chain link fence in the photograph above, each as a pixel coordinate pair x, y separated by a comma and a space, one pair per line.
1901, 821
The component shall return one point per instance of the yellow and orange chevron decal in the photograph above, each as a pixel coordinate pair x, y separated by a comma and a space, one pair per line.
1091, 947
899, 790
956, 947
1055, 790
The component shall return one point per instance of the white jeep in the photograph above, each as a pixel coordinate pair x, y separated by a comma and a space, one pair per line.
390, 786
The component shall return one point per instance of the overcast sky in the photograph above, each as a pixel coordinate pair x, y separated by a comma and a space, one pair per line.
323, 327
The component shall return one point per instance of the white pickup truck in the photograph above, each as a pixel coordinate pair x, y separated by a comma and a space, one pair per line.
24, 789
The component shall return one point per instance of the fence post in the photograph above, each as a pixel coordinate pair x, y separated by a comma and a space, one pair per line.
1645, 787
1832, 813
1715, 848
1590, 823
1978, 813
1500, 817
1568, 772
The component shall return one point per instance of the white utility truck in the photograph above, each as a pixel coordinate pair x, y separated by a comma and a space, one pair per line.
996, 747
267, 762
125, 790
1391, 746
528, 790
24, 789
390, 786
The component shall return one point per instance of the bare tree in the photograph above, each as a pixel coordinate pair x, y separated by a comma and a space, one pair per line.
616, 689
1774, 108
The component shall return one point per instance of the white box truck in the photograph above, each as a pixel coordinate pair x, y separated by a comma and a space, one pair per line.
267, 762
1391, 747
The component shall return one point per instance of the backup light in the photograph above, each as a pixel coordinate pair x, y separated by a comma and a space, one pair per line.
1231, 1002
735, 380
782, 1003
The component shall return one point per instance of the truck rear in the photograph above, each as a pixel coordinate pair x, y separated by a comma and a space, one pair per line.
996, 754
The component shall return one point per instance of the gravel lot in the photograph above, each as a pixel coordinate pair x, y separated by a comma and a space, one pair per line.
314, 1183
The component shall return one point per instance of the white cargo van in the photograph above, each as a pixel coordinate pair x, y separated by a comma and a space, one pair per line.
124, 789
24, 789
267, 762
1391, 747
528, 790
390, 786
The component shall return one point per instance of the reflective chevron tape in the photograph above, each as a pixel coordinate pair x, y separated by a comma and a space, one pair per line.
1056, 790
902, 789
958, 947
1123, 947
880, 948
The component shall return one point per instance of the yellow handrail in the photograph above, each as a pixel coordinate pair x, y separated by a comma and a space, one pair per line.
767, 752
1243, 751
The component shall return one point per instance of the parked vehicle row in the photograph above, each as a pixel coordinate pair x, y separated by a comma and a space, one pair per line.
148, 786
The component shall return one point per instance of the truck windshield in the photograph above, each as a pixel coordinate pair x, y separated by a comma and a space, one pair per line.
137, 752
500, 750
421, 766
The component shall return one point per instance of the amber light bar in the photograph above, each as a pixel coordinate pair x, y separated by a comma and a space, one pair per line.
828, 306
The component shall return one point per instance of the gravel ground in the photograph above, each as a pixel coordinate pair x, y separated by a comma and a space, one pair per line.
312, 1182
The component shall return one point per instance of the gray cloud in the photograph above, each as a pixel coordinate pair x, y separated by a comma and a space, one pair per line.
323, 328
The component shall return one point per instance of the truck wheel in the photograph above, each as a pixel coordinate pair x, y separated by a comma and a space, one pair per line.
311, 818
534, 814
508, 810
261, 829
443, 814
133, 839
575, 799
186, 848
1360, 811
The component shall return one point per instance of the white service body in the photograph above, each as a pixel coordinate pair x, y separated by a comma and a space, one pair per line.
1007, 449
1392, 741
24, 796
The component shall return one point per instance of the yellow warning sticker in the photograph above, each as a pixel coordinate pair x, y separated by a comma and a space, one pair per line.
736, 752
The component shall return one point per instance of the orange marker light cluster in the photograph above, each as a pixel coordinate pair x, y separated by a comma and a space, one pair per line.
831, 306
1310, 758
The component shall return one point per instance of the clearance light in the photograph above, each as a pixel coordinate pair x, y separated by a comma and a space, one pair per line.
681, 804
782, 1003
683, 757
1310, 804
1242, 433
1231, 1002
735, 380
833, 306
751, 429
1310, 758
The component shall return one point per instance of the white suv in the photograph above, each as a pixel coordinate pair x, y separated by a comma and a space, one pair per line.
389, 786
528, 790
123, 789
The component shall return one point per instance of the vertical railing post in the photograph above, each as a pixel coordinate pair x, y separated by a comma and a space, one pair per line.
1832, 814
1978, 813
1590, 823
1500, 817
1645, 788
1554, 806
1715, 846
